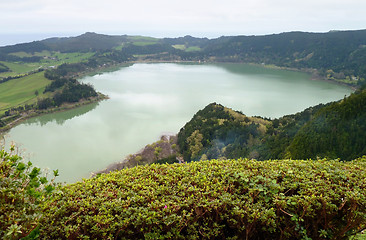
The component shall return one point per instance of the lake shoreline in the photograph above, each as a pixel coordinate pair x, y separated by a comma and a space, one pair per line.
314, 73
315, 76
149, 99
64, 107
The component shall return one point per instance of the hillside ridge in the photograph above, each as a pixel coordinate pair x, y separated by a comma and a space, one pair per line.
334, 130
335, 55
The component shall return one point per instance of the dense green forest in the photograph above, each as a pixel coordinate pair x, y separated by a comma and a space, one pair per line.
335, 130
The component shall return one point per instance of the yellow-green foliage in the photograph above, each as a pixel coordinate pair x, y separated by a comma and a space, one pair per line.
247, 120
218, 199
195, 143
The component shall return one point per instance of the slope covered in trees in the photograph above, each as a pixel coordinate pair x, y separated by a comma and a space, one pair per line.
217, 131
335, 130
334, 54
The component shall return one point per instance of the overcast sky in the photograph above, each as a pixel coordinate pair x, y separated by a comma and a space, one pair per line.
172, 18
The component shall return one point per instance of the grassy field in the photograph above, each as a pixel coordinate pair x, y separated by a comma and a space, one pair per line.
44, 53
70, 57
142, 39
54, 57
22, 91
184, 48
50, 59
141, 44
179, 46
19, 68
193, 49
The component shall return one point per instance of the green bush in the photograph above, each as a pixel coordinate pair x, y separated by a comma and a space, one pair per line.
22, 191
217, 199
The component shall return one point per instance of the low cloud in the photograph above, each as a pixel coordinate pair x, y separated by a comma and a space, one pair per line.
232, 17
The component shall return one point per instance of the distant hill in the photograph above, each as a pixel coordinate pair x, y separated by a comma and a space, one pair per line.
86, 42
337, 55
335, 130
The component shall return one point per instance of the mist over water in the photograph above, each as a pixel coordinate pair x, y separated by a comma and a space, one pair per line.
147, 100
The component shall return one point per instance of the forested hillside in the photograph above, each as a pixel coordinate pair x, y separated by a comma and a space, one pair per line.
335, 130
338, 55
334, 54
217, 131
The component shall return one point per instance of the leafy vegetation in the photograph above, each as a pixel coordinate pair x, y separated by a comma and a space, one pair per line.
218, 199
23, 190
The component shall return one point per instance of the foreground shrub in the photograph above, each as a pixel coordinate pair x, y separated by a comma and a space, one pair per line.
22, 191
218, 199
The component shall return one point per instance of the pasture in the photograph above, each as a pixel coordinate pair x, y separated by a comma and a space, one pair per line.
22, 91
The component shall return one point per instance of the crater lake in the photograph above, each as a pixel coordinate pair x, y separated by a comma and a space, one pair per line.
148, 100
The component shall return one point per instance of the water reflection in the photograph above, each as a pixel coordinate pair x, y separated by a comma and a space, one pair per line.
253, 70
61, 117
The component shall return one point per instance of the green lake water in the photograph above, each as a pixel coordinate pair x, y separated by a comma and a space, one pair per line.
148, 100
